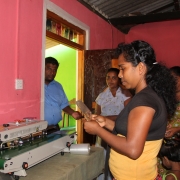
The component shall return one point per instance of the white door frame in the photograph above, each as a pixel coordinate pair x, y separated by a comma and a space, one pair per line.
48, 5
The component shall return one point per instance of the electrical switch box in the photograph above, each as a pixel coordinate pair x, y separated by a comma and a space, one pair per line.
18, 84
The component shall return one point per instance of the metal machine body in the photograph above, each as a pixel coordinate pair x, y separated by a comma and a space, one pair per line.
34, 145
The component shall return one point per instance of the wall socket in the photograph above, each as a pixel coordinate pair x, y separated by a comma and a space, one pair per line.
18, 84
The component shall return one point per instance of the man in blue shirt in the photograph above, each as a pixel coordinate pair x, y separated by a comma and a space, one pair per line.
55, 97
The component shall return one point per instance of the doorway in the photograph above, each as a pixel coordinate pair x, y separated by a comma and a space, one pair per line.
79, 54
66, 74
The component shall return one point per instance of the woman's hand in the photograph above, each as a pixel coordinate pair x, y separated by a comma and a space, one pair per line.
91, 127
94, 125
171, 131
100, 119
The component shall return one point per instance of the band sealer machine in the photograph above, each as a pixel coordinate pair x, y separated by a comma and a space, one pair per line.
24, 144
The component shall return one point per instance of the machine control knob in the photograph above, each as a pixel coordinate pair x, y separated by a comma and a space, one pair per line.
25, 165
5, 136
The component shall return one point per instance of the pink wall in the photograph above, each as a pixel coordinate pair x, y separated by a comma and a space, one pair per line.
20, 52
102, 34
21, 49
163, 36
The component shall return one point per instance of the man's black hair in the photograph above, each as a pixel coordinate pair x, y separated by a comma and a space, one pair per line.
51, 60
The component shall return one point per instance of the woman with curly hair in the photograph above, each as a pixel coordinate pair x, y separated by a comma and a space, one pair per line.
170, 155
174, 123
173, 128
140, 127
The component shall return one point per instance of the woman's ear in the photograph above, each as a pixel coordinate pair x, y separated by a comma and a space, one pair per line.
142, 68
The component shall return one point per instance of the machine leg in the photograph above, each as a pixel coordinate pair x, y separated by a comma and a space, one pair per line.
16, 177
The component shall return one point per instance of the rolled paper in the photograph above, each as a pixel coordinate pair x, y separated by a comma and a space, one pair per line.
80, 148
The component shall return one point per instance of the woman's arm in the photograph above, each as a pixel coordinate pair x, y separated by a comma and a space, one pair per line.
97, 109
113, 118
132, 146
104, 121
169, 176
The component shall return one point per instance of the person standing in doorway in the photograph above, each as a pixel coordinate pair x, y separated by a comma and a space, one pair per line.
55, 98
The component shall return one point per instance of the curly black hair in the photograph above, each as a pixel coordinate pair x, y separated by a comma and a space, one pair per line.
175, 70
158, 76
170, 149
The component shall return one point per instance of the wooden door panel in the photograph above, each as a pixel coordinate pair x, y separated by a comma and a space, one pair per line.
96, 64
114, 63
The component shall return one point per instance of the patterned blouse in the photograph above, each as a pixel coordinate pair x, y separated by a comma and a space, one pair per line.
175, 120
111, 105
